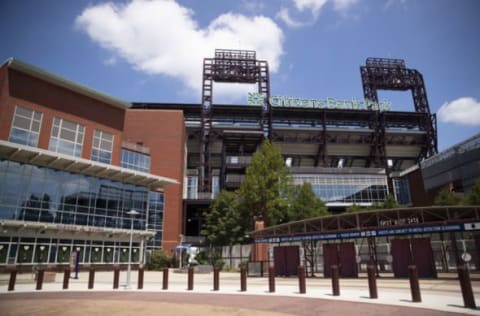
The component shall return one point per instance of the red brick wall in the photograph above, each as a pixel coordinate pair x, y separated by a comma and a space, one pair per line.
59, 102
163, 131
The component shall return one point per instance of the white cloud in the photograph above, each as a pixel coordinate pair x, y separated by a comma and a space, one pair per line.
343, 5
284, 15
314, 5
110, 61
464, 111
161, 37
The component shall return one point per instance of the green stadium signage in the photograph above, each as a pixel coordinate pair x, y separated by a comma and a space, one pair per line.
255, 98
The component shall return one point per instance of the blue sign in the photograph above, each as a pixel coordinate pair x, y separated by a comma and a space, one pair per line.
373, 233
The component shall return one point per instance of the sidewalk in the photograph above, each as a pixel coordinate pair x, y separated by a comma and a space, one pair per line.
438, 294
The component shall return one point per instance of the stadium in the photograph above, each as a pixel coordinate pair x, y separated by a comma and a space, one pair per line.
75, 163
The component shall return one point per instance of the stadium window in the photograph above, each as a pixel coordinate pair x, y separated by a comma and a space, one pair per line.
25, 126
102, 146
135, 161
66, 137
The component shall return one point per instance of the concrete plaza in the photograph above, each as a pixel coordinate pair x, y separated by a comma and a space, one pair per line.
440, 296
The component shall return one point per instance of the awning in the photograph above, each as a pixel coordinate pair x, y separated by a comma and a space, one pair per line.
45, 158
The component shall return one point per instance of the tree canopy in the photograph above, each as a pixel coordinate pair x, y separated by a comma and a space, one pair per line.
445, 197
265, 191
224, 224
473, 198
305, 204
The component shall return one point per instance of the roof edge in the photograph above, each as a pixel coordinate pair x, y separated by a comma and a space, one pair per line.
36, 72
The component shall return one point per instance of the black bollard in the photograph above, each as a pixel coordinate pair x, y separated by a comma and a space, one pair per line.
165, 279
243, 279
372, 281
301, 280
271, 279
13, 278
91, 277
190, 278
66, 278
414, 285
116, 276
335, 281
216, 279
141, 271
40, 274
466, 285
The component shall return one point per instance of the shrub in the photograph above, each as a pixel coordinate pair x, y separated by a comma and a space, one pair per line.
158, 260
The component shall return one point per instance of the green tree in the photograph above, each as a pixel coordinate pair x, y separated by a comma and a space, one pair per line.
306, 204
224, 224
158, 260
445, 197
265, 191
473, 198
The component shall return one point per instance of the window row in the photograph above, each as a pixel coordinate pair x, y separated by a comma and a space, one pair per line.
46, 250
66, 137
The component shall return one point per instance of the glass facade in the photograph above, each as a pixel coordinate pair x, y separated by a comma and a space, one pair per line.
347, 189
402, 191
155, 218
32, 193
135, 161
66, 137
25, 126
102, 146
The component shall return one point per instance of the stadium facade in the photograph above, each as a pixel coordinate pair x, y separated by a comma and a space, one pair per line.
75, 161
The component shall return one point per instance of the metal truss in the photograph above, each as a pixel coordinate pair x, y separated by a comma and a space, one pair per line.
392, 74
229, 66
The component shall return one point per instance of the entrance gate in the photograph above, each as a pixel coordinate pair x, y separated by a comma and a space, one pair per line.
286, 260
417, 251
342, 255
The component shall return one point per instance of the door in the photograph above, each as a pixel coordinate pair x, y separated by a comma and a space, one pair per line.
418, 252
343, 255
286, 260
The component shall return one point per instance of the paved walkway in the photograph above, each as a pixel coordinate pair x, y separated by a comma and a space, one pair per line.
439, 297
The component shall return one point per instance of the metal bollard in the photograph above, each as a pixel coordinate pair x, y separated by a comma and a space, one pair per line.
216, 279
13, 278
116, 276
301, 280
141, 271
91, 277
165, 279
414, 285
66, 278
466, 285
271, 279
372, 281
190, 279
335, 281
40, 274
243, 279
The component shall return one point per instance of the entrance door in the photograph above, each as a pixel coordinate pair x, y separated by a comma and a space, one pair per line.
342, 255
417, 252
286, 260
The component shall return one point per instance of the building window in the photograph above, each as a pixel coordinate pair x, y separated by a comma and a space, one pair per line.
192, 185
25, 126
102, 146
67, 137
135, 161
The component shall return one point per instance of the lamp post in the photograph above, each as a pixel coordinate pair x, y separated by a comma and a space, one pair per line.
132, 213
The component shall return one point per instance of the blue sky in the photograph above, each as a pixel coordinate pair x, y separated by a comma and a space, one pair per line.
151, 51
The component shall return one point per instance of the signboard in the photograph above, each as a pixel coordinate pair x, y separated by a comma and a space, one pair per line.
257, 99
370, 233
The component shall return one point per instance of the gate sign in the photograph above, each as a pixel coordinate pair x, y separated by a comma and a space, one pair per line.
373, 233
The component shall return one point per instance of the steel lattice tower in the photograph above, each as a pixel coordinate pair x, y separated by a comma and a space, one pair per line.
392, 74
229, 66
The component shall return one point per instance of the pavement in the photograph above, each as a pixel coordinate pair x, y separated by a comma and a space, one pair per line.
440, 296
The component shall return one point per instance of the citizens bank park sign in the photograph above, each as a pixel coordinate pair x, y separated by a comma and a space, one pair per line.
255, 98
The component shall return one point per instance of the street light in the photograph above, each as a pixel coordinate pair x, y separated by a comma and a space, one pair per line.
132, 213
